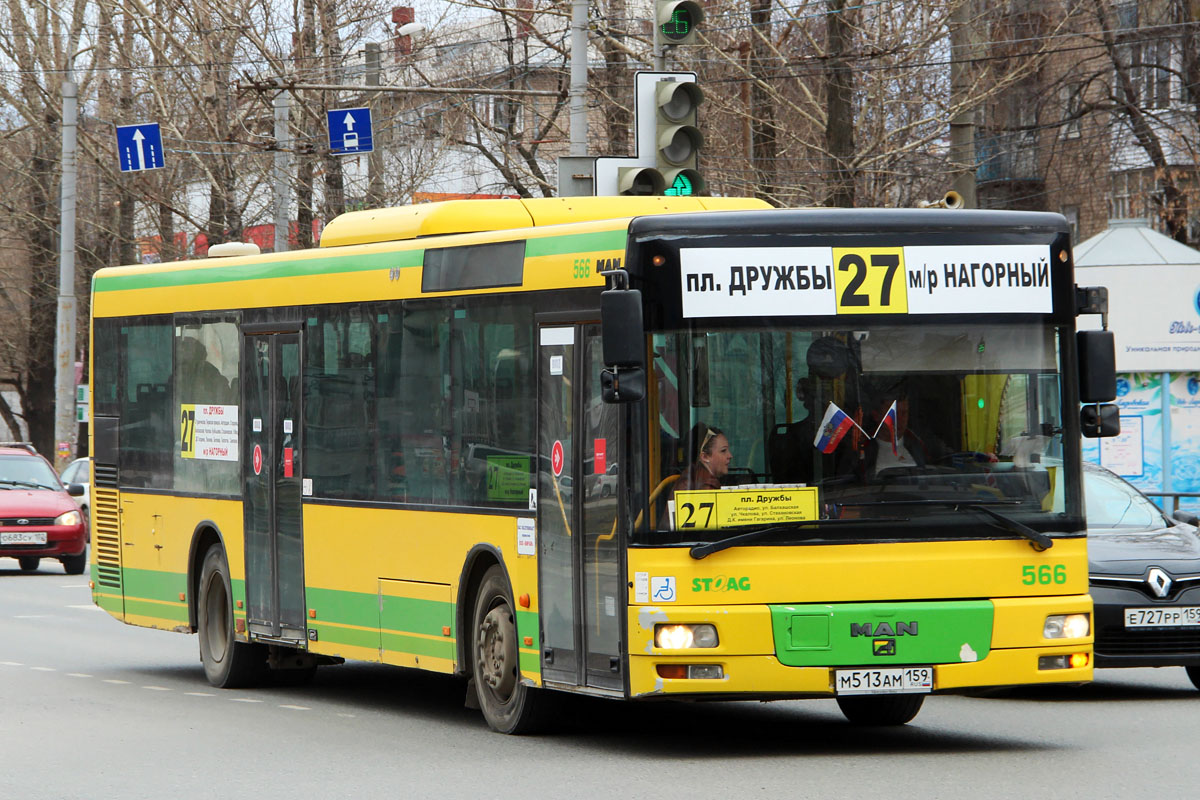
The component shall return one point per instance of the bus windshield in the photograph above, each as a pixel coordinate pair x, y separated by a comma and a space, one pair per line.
888, 432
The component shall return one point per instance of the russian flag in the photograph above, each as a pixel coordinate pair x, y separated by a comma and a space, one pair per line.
889, 421
834, 425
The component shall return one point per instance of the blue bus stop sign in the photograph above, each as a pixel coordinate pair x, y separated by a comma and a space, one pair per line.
350, 131
139, 147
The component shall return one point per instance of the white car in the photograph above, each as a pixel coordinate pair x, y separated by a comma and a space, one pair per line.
80, 471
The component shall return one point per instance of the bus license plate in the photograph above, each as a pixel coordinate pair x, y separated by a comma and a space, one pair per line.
893, 680
1169, 617
23, 537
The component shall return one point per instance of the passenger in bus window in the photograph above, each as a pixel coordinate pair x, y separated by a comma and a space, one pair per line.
712, 459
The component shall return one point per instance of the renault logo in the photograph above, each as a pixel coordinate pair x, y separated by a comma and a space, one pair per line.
1159, 582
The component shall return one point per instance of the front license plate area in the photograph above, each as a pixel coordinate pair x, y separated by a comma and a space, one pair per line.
1163, 617
889, 680
23, 537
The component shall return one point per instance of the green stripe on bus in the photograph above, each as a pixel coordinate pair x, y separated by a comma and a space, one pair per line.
364, 262
136, 606
264, 271
578, 243
414, 645
154, 585
354, 637
113, 605
416, 616
345, 608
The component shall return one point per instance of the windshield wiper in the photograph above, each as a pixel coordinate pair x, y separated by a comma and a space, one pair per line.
25, 484
1037, 540
699, 551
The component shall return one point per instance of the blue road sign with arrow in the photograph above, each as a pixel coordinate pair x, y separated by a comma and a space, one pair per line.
350, 131
139, 147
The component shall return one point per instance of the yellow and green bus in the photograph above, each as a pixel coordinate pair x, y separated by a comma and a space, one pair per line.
475, 437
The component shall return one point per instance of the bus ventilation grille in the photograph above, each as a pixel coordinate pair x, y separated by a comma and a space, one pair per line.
107, 537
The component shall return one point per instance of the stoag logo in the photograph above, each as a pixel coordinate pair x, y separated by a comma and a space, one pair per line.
1122, 387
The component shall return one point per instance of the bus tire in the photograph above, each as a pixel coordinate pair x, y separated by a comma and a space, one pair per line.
508, 705
878, 710
228, 663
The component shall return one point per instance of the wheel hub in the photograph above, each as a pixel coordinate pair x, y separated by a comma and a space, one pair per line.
498, 651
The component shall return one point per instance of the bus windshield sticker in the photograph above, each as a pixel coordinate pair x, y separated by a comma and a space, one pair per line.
842, 281
556, 365
740, 505
208, 432
526, 537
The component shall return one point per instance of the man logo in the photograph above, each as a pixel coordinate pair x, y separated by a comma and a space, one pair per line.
883, 629
883, 647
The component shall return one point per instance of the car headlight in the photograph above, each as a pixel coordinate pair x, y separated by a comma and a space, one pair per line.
69, 518
1067, 626
682, 637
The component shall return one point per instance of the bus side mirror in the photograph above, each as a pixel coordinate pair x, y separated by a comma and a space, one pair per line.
1101, 421
621, 328
1097, 366
626, 385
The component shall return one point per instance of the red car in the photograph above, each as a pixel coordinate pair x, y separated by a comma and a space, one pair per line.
38, 517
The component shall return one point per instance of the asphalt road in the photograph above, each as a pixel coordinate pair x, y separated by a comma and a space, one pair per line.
91, 708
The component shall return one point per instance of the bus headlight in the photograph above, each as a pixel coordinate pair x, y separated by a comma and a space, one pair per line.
69, 518
683, 637
1067, 626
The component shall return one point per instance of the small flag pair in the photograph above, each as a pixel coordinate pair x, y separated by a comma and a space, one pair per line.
837, 423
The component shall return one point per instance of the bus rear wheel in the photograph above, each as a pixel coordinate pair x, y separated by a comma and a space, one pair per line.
878, 710
508, 705
228, 663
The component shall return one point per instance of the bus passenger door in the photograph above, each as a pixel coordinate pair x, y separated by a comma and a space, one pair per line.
271, 472
579, 598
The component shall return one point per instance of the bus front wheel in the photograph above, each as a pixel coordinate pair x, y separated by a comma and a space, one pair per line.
508, 705
228, 663
884, 709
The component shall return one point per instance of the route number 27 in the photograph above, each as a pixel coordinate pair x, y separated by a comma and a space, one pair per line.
870, 280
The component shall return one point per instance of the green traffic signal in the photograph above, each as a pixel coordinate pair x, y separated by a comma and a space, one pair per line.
682, 187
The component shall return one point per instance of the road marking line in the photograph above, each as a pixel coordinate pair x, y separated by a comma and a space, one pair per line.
78, 675
31, 616
74, 586
115, 680
44, 669
297, 708
348, 716
157, 688
200, 694
245, 700
12, 663
88, 607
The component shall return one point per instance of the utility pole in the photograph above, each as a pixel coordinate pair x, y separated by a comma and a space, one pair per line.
66, 428
375, 157
279, 177
578, 89
962, 125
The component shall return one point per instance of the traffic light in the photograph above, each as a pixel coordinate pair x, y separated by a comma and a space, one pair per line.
677, 20
678, 140
640, 181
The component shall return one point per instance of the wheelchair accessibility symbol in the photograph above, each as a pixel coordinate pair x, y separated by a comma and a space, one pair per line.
662, 589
